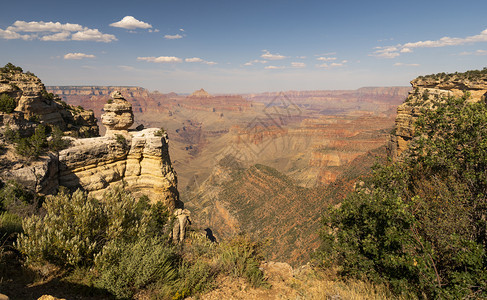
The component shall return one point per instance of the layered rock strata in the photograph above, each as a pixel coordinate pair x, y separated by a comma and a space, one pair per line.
140, 163
136, 160
118, 116
426, 91
35, 103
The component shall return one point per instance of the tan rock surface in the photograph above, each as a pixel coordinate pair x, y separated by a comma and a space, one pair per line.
140, 163
427, 90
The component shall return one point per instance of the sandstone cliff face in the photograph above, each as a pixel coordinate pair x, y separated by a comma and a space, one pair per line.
140, 163
34, 102
136, 160
427, 90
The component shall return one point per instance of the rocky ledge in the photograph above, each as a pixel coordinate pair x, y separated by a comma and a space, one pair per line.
428, 89
137, 160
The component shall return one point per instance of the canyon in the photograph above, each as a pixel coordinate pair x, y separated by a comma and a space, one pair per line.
267, 164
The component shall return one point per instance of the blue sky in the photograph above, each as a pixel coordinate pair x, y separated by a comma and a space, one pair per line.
242, 46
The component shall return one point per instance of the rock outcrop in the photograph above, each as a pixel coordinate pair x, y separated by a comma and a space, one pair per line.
118, 115
137, 160
200, 94
35, 103
427, 90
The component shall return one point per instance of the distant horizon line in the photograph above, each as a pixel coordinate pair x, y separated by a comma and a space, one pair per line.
216, 93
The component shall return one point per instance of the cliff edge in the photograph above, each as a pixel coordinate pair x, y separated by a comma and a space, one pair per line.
426, 91
138, 160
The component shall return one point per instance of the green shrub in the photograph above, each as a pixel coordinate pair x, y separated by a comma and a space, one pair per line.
420, 223
160, 132
57, 141
7, 103
9, 224
240, 258
125, 268
15, 199
35, 145
70, 234
9, 67
124, 240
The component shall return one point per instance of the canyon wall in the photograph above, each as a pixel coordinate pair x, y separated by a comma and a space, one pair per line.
426, 91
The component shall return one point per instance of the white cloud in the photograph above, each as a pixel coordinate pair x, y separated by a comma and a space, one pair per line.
12, 35
173, 37
273, 67
180, 29
326, 58
57, 37
127, 68
161, 59
270, 56
301, 57
405, 65
78, 56
255, 61
197, 59
298, 65
129, 22
155, 30
386, 52
332, 65
394, 51
478, 52
93, 35
193, 59
54, 31
22, 26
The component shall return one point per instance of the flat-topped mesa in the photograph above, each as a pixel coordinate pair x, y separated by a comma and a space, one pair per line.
118, 116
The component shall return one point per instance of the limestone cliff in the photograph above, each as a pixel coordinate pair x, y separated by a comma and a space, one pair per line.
33, 102
427, 90
137, 160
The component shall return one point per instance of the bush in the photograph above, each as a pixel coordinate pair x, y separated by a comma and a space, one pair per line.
33, 146
125, 268
10, 224
7, 103
420, 224
9, 67
123, 239
71, 233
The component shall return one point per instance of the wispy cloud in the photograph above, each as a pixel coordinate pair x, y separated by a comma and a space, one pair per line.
129, 22
92, 35
53, 31
255, 61
78, 56
274, 67
270, 56
478, 52
395, 51
193, 59
199, 60
323, 58
405, 65
161, 59
173, 37
333, 65
298, 65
